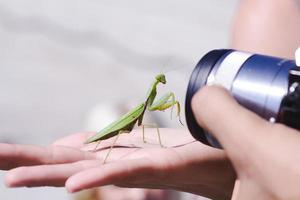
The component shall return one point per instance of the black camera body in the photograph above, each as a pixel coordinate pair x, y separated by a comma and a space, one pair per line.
268, 86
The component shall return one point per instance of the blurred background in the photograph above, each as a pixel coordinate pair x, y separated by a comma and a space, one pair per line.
63, 61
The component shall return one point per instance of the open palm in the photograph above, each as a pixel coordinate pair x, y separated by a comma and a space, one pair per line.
131, 163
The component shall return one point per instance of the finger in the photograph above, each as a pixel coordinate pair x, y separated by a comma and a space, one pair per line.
46, 175
130, 171
234, 126
12, 155
75, 140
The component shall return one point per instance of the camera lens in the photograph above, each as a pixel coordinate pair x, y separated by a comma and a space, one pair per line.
257, 82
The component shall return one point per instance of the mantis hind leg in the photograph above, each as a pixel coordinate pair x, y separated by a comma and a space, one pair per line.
111, 147
157, 129
98, 143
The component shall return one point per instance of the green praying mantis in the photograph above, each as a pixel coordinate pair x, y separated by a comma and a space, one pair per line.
126, 123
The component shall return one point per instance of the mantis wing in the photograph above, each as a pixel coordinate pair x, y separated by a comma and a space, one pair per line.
126, 122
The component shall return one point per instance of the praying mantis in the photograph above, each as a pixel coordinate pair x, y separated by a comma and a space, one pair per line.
126, 123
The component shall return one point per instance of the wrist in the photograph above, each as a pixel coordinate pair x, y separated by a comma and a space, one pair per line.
203, 171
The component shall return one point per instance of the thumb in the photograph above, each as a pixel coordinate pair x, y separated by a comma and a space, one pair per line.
235, 127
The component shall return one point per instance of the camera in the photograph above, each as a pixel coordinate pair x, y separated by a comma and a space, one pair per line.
266, 85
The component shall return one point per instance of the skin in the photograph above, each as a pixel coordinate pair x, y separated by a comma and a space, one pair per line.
263, 155
140, 165
267, 26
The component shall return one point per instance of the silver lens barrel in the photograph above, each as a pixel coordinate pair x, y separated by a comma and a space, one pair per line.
257, 82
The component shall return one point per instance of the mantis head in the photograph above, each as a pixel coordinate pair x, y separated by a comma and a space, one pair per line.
161, 78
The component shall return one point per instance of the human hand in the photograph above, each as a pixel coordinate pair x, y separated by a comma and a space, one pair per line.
185, 165
265, 156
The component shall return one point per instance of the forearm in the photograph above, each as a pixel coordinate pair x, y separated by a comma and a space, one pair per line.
210, 175
267, 26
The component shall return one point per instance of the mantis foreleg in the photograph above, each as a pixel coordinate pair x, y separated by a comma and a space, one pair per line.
165, 102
